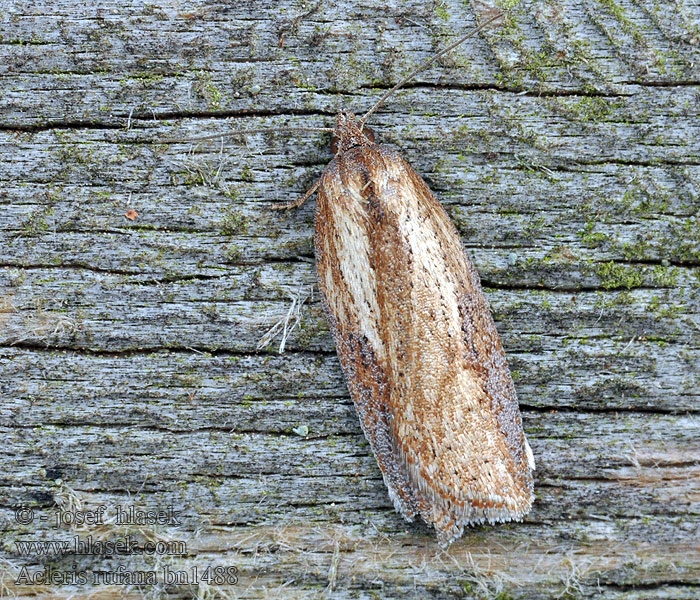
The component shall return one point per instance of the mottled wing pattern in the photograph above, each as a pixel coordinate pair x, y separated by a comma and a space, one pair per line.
416, 340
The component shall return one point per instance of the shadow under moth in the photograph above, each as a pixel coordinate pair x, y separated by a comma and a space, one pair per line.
423, 361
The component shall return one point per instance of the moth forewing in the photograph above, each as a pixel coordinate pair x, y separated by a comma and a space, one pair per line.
423, 361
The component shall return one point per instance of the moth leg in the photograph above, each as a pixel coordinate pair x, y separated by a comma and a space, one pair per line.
299, 201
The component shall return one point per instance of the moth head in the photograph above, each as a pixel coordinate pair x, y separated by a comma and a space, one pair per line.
348, 133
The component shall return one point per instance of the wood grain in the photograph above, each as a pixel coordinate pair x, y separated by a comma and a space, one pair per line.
565, 146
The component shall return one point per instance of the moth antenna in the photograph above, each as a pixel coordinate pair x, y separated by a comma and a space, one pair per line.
244, 132
424, 66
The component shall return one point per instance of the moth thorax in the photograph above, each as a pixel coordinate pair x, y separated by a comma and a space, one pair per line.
348, 133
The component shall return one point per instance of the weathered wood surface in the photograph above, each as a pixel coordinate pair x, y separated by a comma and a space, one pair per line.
565, 144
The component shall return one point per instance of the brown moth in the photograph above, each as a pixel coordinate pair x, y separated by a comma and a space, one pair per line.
422, 357
423, 360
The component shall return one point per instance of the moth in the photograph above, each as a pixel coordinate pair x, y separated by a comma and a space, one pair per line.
421, 355
423, 360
